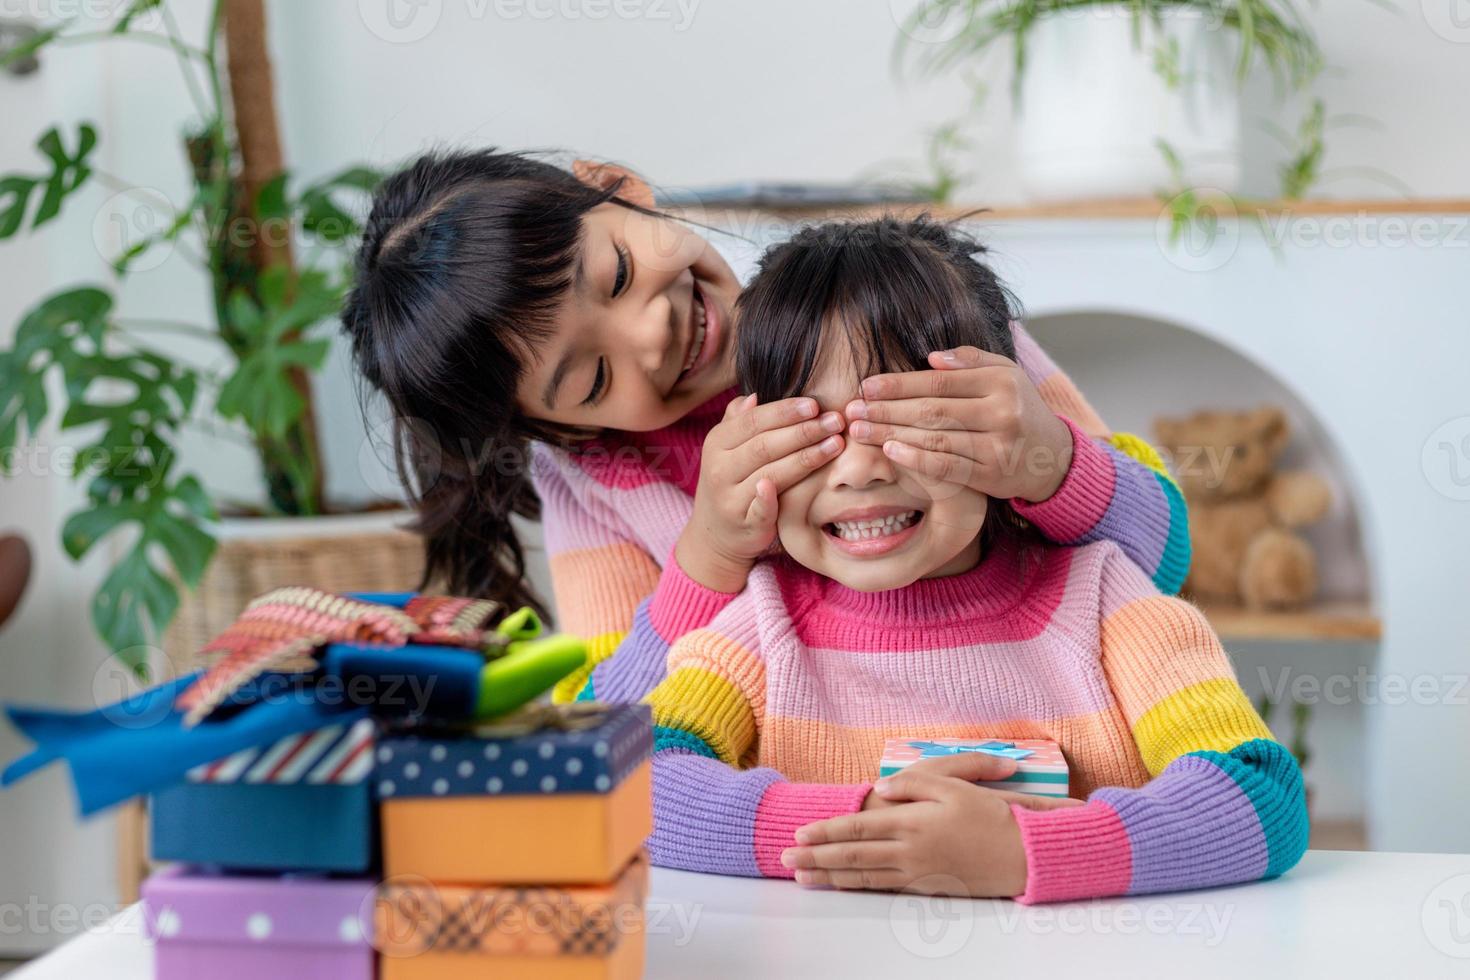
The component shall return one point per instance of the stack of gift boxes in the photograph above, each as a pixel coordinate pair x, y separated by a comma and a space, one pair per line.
407, 850
316, 837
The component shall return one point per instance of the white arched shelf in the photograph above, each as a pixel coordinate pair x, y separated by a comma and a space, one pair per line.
1136, 369
1371, 334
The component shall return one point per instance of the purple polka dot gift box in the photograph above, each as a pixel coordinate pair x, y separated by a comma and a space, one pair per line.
245, 927
551, 795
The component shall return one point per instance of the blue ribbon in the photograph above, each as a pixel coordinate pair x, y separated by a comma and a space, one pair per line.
139, 744
1006, 750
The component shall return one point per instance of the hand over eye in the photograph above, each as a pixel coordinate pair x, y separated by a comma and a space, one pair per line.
754, 454
975, 420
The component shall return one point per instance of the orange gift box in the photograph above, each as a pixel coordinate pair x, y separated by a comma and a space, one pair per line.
530, 838
427, 931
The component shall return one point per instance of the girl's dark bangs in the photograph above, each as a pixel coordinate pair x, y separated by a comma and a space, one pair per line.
898, 290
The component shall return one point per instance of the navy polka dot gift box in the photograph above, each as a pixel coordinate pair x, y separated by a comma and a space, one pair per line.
591, 760
563, 797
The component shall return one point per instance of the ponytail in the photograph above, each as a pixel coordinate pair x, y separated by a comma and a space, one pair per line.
464, 514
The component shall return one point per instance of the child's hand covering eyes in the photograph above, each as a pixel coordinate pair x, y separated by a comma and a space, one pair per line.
751, 456
976, 420
928, 829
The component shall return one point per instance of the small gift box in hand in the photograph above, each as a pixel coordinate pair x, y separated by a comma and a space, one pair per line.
1041, 769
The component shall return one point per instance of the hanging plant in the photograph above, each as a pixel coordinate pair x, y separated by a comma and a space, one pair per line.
1269, 35
1270, 32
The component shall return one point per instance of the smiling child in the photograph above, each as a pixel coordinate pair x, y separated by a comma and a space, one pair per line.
908, 605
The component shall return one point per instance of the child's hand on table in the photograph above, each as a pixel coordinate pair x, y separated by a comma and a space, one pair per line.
976, 420
751, 456
927, 829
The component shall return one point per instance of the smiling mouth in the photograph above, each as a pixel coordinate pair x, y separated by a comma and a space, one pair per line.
874, 529
700, 316
873, 537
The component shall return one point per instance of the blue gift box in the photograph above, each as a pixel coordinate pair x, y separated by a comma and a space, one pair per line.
302, 803
590, 760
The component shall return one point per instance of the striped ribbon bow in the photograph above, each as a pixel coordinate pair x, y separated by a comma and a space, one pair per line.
333, 755
283, 631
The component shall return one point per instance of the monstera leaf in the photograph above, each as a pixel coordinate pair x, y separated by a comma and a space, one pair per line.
134, 403
119, 395
68, 172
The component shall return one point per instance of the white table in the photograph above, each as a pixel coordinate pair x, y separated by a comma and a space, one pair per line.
1338, 914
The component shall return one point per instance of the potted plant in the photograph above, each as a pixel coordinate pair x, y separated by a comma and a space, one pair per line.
126, 396
1111, 95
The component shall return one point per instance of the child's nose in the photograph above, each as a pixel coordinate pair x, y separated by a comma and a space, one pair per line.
860, 466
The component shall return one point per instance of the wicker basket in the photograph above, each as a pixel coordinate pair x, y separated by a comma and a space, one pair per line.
377, 558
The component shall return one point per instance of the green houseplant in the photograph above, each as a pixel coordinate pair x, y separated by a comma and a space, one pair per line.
125, 397
1176, 86
1269, 30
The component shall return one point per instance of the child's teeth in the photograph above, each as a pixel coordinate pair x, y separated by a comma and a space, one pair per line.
876, 528
696, 347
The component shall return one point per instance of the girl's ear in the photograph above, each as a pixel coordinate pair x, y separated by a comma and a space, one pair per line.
634, 189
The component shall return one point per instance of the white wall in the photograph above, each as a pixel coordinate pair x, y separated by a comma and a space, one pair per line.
737, 89
715, 90
51, 866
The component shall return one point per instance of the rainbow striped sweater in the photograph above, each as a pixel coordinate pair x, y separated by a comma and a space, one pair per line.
775, 715
612, 512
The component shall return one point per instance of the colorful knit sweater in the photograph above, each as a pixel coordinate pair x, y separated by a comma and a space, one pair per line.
775, 715
613, 511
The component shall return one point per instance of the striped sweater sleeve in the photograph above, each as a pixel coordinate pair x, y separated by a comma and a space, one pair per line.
1226, 802
610, 590
678, 605
710, 812
1117, 487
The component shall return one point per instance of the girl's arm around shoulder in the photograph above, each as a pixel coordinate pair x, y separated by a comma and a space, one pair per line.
1226, 802
1116, 488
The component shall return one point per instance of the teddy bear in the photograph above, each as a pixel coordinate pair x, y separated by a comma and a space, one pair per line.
1243, 514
